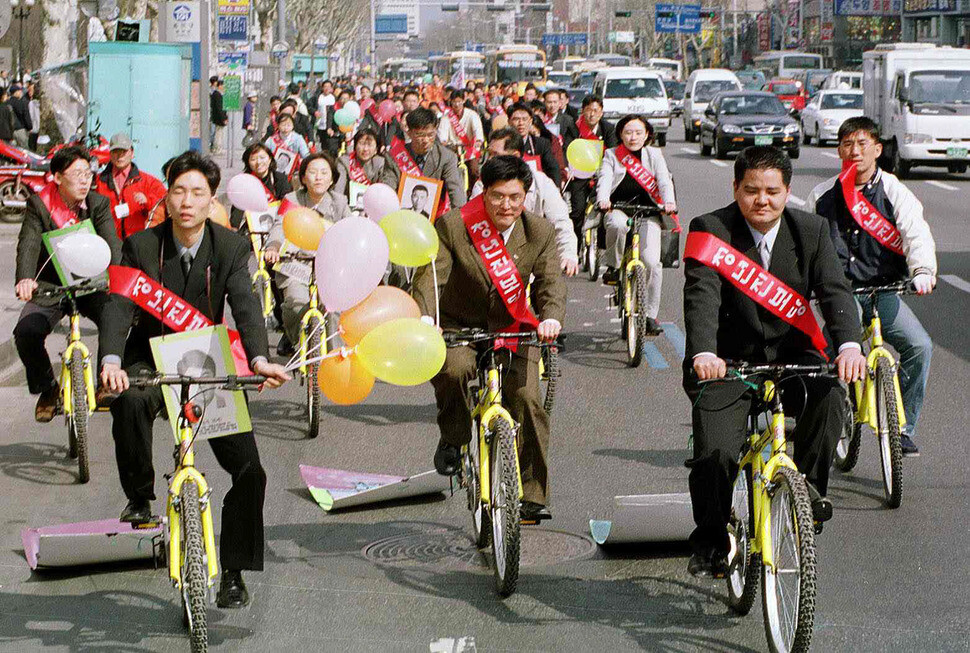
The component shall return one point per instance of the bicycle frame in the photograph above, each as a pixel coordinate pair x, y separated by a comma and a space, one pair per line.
312, 312
487, 407
631, 257
74, 343
762, 471
865, 390
262, 273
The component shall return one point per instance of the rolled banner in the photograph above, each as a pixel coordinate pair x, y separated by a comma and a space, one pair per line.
90, 543
646, 518
333, 489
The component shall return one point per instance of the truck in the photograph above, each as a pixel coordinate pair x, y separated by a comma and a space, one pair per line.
919, 95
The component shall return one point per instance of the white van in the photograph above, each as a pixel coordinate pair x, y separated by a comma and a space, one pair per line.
843, 79
633, 89
702, 86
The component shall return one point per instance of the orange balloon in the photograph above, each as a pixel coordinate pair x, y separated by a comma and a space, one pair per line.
345, 128
304, 227
384, 304
344, 380
218, 214
500, 121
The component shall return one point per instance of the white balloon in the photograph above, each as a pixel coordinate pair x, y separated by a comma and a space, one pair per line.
84, 254
353, 106
580, 174
246, 193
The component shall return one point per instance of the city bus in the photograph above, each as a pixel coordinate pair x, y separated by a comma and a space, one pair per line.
611, 59
785, 64
672, 69
450, 63
515, 63
404, 70
567, 64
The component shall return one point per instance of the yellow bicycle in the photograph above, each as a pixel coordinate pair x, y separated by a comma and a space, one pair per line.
490, 471
313, 344
262, 283
77, 375
192, 561
771, 527
876, 401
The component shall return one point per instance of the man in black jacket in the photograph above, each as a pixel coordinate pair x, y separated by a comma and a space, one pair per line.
590, 126
217, 115
67, 200
21, 111
206, 265
538, 150
723, 323
7, 119
557, 121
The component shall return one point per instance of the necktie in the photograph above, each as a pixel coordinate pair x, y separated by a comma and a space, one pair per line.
186, 263
765, 254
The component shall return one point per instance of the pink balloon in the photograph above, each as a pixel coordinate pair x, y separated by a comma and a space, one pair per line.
386, 111
247, 193
379, 200
366, 104
350, 263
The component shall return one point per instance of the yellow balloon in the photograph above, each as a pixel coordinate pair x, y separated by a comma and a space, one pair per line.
412, 238
584, 154
305, 227
405, 351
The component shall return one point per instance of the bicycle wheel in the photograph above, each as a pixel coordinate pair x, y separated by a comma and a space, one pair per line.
77, 426
195, 586
262, 291
890, 448
847, 448
593, 256
471, 461
505, 507
789, 589
742, 580
549, 376
636, 320
313, 399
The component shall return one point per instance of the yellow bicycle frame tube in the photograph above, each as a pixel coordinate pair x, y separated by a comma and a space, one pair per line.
489, 407
865, 390
312, 312
67, 391
262, 272
185, 471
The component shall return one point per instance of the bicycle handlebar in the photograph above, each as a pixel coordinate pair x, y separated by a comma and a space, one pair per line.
466, 337
230, 382
297, 256
899, 288
641, 208
741, 370
85, 287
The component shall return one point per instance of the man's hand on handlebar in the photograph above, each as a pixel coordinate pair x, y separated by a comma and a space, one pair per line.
570, 267
924, 283
25, 289
548, 330
275, 373
113, 377
709, 366
271, 255
605, 206
852, 364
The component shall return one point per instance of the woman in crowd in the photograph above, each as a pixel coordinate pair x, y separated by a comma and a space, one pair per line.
363, 165
258, 161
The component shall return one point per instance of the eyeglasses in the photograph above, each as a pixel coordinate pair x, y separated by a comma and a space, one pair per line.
863, 145
77, 175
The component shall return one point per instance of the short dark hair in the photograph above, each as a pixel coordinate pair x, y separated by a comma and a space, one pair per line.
763, 157
285, 116
252, 149
860, 124
506, 168
275, 98
630, 117
293, 88
290, 103
66, 156
532, 86
413, 92
367, 131
513, 141
191, 160
213, 79
326, 156
550, 91
592, 99
519, 106
421, 118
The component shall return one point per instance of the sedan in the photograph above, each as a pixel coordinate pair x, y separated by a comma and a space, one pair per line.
825, 113
789, 91
737, 119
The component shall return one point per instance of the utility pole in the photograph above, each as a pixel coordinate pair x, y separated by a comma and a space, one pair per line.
734, 10
373, 38
281, 32
589, 26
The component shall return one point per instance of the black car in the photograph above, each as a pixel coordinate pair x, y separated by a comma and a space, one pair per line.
675, 93
576, 97
735, 120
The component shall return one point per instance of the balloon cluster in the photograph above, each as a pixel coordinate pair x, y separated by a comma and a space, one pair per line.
346, 116
584, 157
381, 326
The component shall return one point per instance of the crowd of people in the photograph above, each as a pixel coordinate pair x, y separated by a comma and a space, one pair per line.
507, 187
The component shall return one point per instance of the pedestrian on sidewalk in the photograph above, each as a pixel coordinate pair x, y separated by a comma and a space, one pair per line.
33, 108
217, 115
131, 192
21, 112
250, 122
8, 123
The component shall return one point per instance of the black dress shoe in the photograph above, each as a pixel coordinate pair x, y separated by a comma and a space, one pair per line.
285, 348
611, 277
137, 512
48, 404
446, 459
653, 327
232, 590
711, 564
531, 512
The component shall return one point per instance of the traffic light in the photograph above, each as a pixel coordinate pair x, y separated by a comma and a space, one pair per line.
541, 6
623, 13
708, 14
449, 7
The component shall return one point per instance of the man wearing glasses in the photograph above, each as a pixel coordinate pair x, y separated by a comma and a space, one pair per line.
881, 238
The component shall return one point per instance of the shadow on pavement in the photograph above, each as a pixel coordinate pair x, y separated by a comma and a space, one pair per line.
384, 414
597, 349
670, 458
942, 312
38, 462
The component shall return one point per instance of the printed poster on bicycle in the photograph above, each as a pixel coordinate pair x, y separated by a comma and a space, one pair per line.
203, 352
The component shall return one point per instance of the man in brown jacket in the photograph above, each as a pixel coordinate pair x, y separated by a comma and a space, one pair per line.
470, 299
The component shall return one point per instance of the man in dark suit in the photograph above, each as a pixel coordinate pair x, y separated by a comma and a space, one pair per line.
592, 126
206, 265
218, 118
469, 298
557, 121
724, 323
67, 200
538, 150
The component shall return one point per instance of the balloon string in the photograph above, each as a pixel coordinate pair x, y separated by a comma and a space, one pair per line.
437, 301
312, 333
44, 266
337, 352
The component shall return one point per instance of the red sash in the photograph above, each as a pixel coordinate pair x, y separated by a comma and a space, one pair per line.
409, 167
498, 263
357, 171
372, 110
643, 177
759, 285
551, 120
173, 311
286, 206
867, 216
61, 215
470, 151
585, 131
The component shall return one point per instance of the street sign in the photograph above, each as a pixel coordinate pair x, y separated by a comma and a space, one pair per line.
321, 44
280, 49
564, 38
678, 19
233, 62
391, 24
231, 95
234, 28
182, 22
868, 7
624, 37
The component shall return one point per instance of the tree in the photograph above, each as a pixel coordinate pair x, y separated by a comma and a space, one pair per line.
335, 21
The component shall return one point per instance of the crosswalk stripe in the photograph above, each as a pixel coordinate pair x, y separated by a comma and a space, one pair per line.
654, 358
720, 164
676, 338
940, 184
957, 282
689, 150
830, 155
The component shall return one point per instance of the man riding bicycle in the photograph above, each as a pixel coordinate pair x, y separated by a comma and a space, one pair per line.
881, 238
470, 298
750, 268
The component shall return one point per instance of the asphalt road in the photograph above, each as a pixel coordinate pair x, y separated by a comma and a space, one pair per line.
400, 577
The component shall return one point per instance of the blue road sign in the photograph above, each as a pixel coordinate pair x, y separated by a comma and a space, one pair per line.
391, 24
564, 38
234, 28
678, 19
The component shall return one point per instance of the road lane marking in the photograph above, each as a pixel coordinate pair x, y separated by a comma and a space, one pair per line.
830, 155
614, 320
796, 200
588, 324
654, 358
676, 337
690, 150
957, 282
940, 184
721, 164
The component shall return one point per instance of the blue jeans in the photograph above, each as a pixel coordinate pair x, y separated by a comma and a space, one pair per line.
902, 329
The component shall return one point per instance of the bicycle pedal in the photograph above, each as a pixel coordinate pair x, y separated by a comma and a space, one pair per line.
155, 522
529, 522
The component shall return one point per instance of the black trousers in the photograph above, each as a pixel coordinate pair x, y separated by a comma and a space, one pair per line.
241, 543
719, 416
35, 324
580, 192
329, 143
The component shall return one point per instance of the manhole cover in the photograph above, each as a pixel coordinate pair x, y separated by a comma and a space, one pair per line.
453, 548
